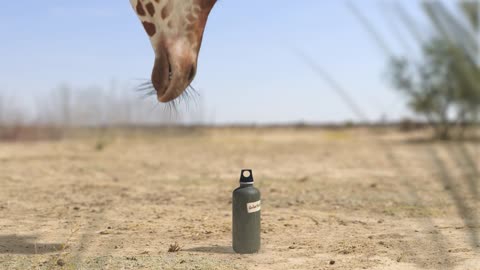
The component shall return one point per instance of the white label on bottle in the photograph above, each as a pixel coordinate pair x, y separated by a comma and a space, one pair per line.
253, 207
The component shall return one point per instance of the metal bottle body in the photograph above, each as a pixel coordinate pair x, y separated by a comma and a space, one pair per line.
246, 219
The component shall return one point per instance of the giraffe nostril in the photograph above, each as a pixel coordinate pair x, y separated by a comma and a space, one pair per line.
191, 75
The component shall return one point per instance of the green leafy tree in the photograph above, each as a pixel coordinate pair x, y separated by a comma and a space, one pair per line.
430, 86
444, 85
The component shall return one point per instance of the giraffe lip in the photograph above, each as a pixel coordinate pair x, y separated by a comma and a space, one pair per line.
173, 90
162, 73
170, 72
170, 92
165, 96
169, 95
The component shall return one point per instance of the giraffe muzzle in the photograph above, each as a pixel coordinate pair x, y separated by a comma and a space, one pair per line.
172, 74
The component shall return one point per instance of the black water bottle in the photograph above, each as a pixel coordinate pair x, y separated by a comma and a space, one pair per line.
246, 215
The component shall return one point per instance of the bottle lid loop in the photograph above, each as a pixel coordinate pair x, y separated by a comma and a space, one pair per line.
246, 177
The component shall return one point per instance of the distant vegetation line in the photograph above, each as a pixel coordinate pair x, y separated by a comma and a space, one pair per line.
68, 107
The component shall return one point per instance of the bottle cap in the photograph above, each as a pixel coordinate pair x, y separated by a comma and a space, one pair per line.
246, 177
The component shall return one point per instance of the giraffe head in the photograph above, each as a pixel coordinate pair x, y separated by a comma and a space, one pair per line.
175, 28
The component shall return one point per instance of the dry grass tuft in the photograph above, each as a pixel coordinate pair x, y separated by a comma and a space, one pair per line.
174, 248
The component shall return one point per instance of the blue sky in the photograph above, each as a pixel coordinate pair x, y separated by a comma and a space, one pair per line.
249, 71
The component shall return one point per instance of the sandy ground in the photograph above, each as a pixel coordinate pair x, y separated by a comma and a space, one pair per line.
332, 199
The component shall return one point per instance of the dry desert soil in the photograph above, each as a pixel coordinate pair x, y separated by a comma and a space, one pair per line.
331, 199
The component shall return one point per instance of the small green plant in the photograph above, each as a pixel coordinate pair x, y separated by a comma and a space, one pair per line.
100, 145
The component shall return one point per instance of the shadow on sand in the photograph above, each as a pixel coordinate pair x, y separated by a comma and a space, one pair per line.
212, 249
15, 244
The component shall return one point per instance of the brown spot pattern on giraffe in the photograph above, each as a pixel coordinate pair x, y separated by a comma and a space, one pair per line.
150, 28
190, 17
140, 9
150, 9
167, 9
